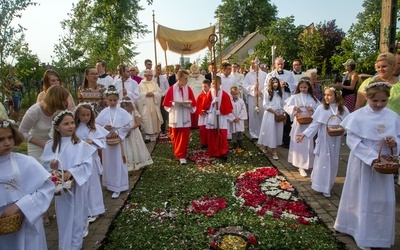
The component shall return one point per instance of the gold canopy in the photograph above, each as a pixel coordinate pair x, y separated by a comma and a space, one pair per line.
184, 42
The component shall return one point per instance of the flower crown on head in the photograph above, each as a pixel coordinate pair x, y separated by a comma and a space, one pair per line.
378, 84
335, 90
304, 79
125, 101
59, 115
84, 103
7, 123
111, 90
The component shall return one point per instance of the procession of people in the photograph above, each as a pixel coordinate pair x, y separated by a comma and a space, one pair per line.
77, 148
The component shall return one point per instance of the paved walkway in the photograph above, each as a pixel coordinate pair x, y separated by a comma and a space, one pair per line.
325, 207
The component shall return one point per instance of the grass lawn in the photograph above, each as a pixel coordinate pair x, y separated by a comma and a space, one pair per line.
242, 203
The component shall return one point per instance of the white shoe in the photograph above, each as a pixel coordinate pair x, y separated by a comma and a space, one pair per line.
302, 172
327, 195
183, 161
86, 233
92, 218
115, 195
275, 157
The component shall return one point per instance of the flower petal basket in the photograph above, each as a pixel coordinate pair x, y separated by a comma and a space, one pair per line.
61, 186
334, 129
281, 117
112, 141
11, 224
390, 165
303, 115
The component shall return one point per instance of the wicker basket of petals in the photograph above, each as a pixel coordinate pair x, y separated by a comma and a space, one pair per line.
11, 223
334, 129
386, 164
303, 115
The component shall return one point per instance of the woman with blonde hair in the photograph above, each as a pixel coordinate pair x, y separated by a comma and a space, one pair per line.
50, 78
385, 66
36, 123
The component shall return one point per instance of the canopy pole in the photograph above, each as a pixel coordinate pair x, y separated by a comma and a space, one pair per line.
220, 40
166, 62
154, 36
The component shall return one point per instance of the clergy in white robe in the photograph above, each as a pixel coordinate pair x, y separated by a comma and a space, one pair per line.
327, 148
367, 204
115, 173
71, 207
149, 107
95, 193
24, 182
253, 86
131, 86
300, 154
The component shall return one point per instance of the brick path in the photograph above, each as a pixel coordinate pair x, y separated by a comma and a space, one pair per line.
325, 207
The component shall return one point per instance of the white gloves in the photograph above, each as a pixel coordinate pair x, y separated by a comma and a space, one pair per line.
217, 112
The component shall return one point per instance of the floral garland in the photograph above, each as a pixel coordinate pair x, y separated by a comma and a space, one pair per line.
59, 115
268, 192
7, 123
207, 206
377, 84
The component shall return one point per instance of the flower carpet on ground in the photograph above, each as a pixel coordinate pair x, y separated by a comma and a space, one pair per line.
241, 203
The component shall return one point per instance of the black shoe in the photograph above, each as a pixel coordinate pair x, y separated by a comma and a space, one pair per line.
254, 139
224, 157
147, 140
285, 145
204, 146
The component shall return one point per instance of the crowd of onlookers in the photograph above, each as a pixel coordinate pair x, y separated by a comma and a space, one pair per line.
77, 146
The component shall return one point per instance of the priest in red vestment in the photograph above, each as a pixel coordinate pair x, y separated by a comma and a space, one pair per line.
219, 106
179, 102
202, 113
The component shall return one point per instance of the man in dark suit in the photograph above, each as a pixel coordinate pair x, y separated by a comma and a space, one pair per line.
211, 69
172, 78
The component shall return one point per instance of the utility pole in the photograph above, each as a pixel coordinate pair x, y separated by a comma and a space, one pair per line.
388, 26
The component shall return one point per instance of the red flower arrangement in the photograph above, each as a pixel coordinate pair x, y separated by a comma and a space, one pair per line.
267, 191
207, 206
201, 158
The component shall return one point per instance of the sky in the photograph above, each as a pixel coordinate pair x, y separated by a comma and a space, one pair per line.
43, 21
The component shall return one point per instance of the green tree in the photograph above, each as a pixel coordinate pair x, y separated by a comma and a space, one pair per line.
363, 38
284, 35
238, 16
332, 37
311, 47
29, 72
11, 37
97, 29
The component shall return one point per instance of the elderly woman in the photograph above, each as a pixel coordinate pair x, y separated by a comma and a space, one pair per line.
349, 84
92, 92
51, 78
385, 66
312, 74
